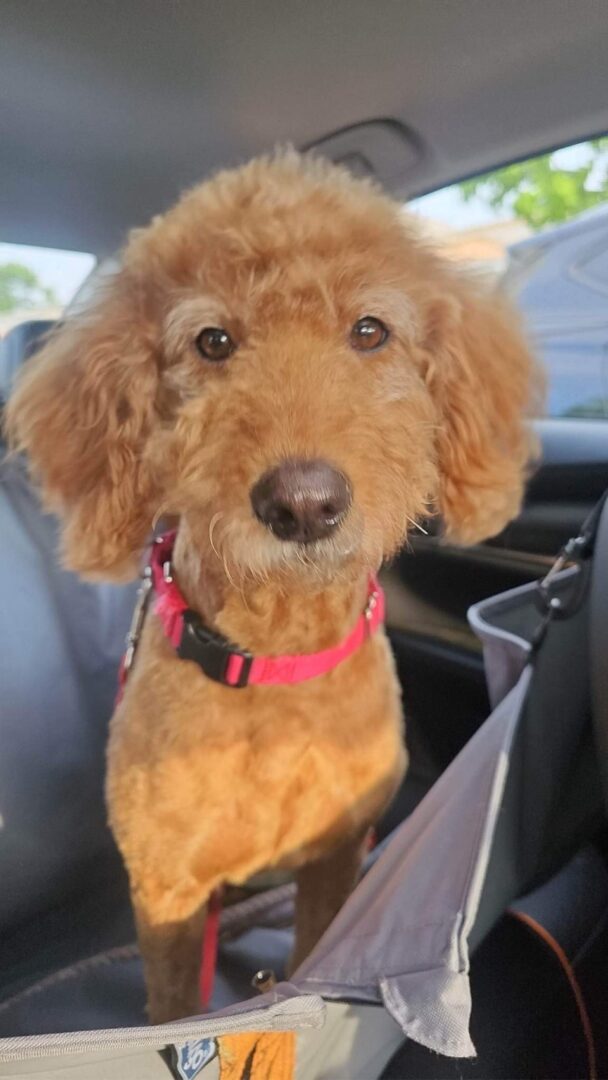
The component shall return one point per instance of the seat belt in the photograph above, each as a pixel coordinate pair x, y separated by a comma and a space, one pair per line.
598, 644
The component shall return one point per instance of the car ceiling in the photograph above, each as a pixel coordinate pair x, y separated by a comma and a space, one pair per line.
108, 110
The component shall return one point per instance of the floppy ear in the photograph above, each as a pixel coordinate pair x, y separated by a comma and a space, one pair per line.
485, 384
82, 411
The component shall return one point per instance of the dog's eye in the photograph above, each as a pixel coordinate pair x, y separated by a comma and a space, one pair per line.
368, 334
214, 343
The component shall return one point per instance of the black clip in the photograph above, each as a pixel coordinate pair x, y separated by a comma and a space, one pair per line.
211, 651
550, 605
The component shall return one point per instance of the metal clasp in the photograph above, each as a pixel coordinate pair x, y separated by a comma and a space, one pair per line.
137, 620
264, 980
556, 607
571, 554
372, 603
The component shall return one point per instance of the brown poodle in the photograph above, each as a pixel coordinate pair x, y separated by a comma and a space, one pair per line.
283, 370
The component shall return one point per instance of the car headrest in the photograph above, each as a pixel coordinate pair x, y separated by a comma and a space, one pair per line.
17, 346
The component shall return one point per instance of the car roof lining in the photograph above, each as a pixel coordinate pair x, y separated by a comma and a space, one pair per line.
110, 111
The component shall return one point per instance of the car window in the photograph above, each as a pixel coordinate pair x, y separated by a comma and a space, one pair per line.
38, 283
541, 227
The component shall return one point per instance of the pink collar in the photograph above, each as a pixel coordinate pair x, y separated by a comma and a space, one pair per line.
218, 658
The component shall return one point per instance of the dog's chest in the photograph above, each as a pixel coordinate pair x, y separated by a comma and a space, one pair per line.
267, 776
299, 764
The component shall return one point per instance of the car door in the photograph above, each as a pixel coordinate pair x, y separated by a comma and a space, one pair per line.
558, 278
431, 585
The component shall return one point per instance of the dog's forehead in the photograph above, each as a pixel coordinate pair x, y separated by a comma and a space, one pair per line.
261, 240
294, 241
277, 261
256, 219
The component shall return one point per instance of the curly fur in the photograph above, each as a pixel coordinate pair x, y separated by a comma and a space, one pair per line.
124, 423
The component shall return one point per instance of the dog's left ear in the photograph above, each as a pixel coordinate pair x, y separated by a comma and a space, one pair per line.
485, 384
83, 411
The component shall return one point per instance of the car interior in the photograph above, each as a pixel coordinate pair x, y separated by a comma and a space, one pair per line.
108, 113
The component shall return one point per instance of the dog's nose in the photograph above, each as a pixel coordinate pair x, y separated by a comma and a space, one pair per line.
301, 500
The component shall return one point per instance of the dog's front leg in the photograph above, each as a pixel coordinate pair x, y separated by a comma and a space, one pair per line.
171, 953
322, 888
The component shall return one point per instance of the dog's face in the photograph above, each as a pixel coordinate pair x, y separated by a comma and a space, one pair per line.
301, 433
282, 365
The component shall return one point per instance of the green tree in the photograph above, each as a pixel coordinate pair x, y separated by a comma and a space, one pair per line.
20, 287
541, 192
594, 407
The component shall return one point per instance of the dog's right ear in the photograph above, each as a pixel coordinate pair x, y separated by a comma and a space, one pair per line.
82, 411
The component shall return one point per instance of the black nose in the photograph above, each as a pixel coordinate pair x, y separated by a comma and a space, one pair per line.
301, 500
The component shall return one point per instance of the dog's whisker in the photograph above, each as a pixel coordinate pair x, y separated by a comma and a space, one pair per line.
417, 525
301, 557
229, 575
212, 524
160, 512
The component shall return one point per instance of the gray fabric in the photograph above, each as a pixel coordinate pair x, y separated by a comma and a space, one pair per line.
553, 801
356, 1039
401, 938
115, 1065
279, 1011
92, 919
506, 625
60, 646
102, 991
355, 1043
106, 990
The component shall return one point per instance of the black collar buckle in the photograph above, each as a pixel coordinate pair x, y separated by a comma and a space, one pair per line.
211, 651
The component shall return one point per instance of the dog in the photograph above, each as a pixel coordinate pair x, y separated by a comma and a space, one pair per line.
286, 373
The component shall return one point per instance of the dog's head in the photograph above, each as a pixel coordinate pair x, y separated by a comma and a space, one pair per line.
282, 364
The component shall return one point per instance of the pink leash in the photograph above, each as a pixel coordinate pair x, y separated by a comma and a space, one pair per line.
211, 935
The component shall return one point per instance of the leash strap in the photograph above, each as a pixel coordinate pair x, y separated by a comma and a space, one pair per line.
211, 935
